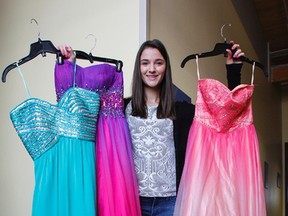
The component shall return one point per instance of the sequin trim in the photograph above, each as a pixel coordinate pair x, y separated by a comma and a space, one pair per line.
40, 124
112, 103
221, 109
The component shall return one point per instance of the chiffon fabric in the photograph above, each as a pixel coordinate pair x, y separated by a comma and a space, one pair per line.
117, 189
60, 140
222, 172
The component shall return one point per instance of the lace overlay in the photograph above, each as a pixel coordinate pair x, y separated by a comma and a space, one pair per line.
222, 109
154, 153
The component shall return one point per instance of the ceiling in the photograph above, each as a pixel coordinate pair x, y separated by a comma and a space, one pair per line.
273, 19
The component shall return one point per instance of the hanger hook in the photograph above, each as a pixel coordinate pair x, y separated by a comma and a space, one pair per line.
222, 31
37, 26
94, 41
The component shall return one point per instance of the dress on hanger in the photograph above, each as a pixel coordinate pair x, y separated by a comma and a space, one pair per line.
60, 140
222, 172
117, 189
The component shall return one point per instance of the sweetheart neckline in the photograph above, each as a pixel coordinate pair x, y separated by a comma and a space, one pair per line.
240, 86
51, 104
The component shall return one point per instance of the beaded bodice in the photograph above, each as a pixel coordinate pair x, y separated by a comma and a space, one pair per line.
222, 109
40, 124
102, 79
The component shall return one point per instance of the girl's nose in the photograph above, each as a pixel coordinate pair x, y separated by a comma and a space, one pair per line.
152, 68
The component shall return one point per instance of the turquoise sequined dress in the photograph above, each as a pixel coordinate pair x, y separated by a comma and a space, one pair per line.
61, 141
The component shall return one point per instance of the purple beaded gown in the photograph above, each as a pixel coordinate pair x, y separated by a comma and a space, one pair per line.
117, 189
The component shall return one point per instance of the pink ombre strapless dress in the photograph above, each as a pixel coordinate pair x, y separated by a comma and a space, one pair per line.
222, 172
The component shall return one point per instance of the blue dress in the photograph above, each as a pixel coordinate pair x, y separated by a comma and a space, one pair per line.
61, 141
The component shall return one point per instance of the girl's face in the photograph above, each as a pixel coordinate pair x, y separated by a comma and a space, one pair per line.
152, 67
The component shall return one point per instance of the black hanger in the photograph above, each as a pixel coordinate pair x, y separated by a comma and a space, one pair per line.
82, 55
220, 48
39, 47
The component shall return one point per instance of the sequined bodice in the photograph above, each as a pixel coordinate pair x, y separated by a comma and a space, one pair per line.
102, 79
40, 124
222, 109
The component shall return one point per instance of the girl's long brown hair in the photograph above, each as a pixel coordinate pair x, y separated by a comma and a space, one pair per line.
166, 104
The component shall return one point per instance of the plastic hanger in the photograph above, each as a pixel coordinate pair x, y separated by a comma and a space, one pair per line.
220, 48
40, 47
82, 55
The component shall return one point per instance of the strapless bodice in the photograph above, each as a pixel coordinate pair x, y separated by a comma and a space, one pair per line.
223, 109
102, 79
40, 124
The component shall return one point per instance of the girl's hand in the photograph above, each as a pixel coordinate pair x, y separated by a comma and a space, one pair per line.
234, 59
67, 52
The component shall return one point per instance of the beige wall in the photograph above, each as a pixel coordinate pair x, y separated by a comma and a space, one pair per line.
115, 25
187, 27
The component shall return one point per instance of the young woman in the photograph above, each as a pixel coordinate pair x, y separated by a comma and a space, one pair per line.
159, 126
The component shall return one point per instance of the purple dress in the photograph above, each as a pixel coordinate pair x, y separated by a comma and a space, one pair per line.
117, 189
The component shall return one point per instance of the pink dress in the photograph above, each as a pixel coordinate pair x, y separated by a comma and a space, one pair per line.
222, 172
116, 180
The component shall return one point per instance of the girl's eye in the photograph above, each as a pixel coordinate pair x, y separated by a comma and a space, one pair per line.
144, 63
